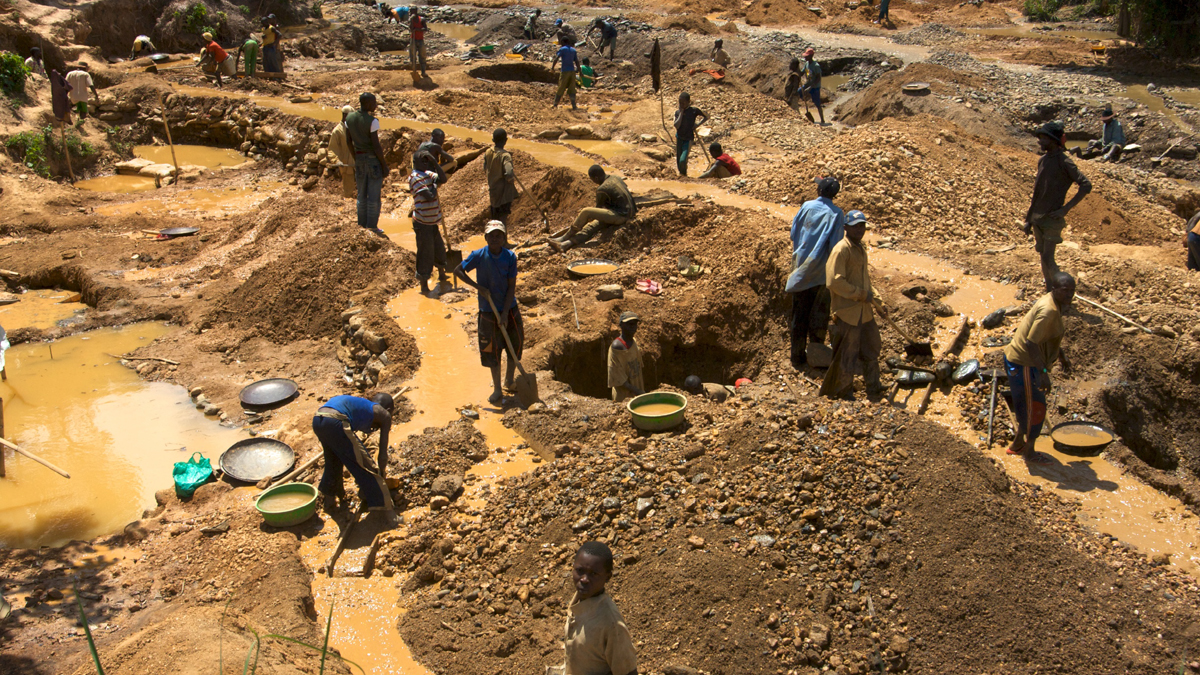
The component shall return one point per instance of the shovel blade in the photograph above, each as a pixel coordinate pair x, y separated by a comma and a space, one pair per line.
527, 390
809, 117
453, 259
918, 349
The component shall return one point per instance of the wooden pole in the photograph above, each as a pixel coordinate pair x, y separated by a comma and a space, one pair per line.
992, 409
1101, 307
167, 128
35, 458
1, 436
958, 335
67, 153
303, 467
337, 552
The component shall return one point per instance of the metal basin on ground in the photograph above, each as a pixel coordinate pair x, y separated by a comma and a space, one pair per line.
1087, 438
270, 393
657, 410
288, 504
254, 459
590, 267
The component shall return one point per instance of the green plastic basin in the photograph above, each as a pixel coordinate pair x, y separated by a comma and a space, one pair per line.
657, 421
304, 497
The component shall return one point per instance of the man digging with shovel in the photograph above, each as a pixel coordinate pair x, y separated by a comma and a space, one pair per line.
496, 278
334, 425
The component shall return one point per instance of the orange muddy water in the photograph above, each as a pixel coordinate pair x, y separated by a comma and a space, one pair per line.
117, 436
656, 409
593, 269
42, 308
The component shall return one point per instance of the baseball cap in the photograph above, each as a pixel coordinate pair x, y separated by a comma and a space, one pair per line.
493, 225
810, 51
1054, 130
347, 109
856, 217
826, 183
628, 316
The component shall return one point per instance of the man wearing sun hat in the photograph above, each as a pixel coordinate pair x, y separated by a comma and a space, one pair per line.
853, 302
225, 65
1112, 140
1047, 212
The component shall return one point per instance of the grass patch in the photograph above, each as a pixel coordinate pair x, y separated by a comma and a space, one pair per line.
1041, 10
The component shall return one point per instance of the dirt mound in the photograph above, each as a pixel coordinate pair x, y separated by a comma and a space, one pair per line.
432, 454
780, 13
692, 23
705, 7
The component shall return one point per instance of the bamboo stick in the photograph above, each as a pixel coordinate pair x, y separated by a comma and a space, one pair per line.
1126, 319
35, 458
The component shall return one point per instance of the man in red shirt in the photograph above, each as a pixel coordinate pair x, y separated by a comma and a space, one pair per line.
723, 165
220, 57
416, 47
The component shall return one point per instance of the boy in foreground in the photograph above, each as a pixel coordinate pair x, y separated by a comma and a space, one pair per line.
597, 640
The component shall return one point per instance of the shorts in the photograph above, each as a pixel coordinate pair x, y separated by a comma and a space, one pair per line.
491, 342
1048, 231
81, 108
815, 94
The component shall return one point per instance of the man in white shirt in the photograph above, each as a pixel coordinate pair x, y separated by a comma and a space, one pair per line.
81, 82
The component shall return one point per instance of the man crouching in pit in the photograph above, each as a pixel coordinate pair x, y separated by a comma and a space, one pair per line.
597, 640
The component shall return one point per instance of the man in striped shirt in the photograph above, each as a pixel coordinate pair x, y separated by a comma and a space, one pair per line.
426, 213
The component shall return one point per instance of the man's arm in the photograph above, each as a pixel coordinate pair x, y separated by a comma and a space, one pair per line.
506, 168
838, 283
701, 118
378, 151
616, 372
711, 172
462, 274
1085, 186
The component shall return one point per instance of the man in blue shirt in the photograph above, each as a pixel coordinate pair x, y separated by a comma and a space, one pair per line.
812, 83
334, 425
566, 79
816, 229
495, 276
1112, 140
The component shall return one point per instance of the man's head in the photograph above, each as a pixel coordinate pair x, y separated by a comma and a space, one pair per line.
794, 65
685, 99
592, 569
693, 384
587, 61
495, 235
828, 187
558, 22
719, 43
1051, 136
629, 323
425, 161
499, 137
1062, 287
346, 110
715, 149
808, 54
265, 21
82, 66
596, 173
537, 12
564, 41
1107, 114
207, 37
438, 137
367, 102
385, 400
856, 226
36, 53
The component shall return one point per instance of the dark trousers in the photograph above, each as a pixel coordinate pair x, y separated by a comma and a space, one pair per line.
341, 448
431, 249
809, 320
1193, 248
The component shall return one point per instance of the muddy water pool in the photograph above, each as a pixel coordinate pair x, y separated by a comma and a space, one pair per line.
42, 308
196, 155
116, 435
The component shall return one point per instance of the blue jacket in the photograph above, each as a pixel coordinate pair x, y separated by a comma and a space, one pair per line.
816, 229
1114, 132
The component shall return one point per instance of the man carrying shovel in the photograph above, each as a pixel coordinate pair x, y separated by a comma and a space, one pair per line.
496, 278
853, 301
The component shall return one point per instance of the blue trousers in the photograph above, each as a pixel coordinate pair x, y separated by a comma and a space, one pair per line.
342, 448
682, 147
368, 174
883, 9
1022, 380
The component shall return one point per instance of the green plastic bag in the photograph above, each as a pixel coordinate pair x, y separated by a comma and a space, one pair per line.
192, 474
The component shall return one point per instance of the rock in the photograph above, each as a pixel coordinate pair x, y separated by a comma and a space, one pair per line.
994, 319
438, 503
581, 524
696, 542
1160, 559
132, 167
135, 531
580, 131
819, 355
1165, 331
648, 138
373, 342
447, 486
819, 634
195, 392
659, 153
644, 504
551, 134
610, 292
898, 644
942, 309
764, 540
680, 670
310, 183
159, 171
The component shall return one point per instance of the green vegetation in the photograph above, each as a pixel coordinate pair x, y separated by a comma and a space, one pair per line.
87, 630
12, 74
34, 148
1041, 10
1172, 26
244, 9
316, 7
196, 18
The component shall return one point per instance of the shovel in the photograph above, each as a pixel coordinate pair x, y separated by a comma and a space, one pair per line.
807, 114
912, 349
454, 258
527, 391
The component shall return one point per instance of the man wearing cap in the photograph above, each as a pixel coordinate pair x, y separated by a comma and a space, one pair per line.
1028, 357
219, 56
562, 30
625, 361
362, 130
498, 166
339, 145
272, 59
426, 214
1047, 213
812, 84
1112, 139
496, 277
614, 206
856, 342
818, 226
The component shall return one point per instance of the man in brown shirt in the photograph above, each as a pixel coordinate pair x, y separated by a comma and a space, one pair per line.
1047, 213
856, 341
500, 177
597, 640
614, 206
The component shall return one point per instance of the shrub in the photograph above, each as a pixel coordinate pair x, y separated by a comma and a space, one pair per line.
244, 9
1041, 10
29, 147
12, 74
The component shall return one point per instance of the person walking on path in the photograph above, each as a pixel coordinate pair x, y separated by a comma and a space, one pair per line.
496, 275
883, 12
1034, 348
856, 341
614, 206
60, 97
608, 37
370, 167
334, 425
141, 44
272, 57
566, 79
819, 225
249, 50
723, 166
687, 119
81, 82
530, 31
339, 145
1046, 217
501, 179
812, 83
416, 46
719, 55
597, 639
1191, 241
426, 214
625, 361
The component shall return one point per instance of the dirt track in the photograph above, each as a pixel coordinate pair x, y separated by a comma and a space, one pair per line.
778, 532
